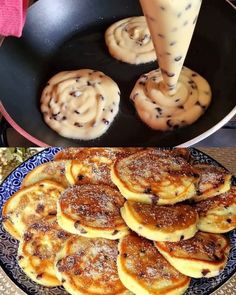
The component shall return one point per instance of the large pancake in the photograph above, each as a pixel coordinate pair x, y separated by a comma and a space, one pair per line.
218, 214
153, 176
204, 255
213, 181
143, 270
51, 171
92, 211
92, 165
30, 204
38, 248
88, 266
161, 223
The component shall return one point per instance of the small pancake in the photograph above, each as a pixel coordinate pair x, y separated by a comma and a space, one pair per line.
38, 248
92, 165
204, 255
80, 104
92, 211
154, 176
29, 205
213, 181
143, 270
129, 40
88, 266
161, 223
218, 214
51, 171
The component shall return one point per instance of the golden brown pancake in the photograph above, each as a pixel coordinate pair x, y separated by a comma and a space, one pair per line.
143, 270
204, 255
213, 181
88, 266
93, 211
51, 171
153, 176
38, 248
218, 214
92, 165
161, 223
30, 204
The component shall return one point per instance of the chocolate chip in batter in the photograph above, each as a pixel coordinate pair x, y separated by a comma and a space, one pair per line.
159, 110
78, 124
178, 58
181, 107
179, 14
102, 97
205, 272
162, 8
147, 190
28, 236
111, 110
78, 113
106, 122
80, 177
161, 36
185, 23
115, 232
229, 220
170, 75
135, 95
142, 83
188, 7
39, 276
64, 118
172, 43
169, 123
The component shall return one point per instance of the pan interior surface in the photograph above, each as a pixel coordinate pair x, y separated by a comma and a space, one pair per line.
69, 34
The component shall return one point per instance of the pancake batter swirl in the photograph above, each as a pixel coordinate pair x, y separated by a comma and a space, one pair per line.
165, 112
80, 104
129, 40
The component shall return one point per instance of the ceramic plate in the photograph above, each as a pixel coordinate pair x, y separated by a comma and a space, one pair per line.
8, 245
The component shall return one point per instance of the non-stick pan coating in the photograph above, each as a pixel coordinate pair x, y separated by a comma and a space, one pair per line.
69, 34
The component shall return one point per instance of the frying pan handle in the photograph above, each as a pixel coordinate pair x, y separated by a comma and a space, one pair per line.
3, 132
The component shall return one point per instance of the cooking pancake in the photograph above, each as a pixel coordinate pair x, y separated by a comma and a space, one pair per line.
204, 255
38, 248
153, 176
161, 223
29, 205
218, 214
143, 270
92, 211
88, 266
52, 171
92, 165
213, 181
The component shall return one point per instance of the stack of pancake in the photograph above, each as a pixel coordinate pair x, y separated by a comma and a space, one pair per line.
122, 221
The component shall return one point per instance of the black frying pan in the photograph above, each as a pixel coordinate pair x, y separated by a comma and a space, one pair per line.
69, 34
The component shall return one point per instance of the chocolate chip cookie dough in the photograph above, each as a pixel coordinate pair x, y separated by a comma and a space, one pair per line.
80, 104
129, 40
163, 112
